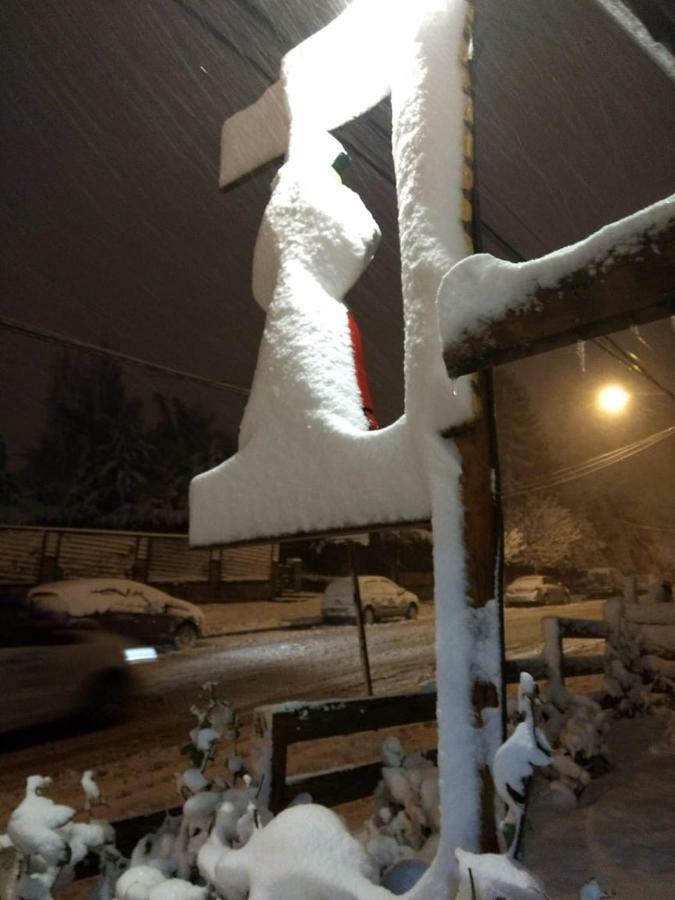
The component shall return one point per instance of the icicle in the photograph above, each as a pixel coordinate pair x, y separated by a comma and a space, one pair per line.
581, 353
635, 331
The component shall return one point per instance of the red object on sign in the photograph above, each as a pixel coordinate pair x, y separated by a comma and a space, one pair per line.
361, 374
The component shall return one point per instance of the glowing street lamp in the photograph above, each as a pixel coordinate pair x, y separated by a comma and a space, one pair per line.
612, 399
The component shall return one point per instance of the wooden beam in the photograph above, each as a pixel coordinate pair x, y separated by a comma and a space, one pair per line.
638, 287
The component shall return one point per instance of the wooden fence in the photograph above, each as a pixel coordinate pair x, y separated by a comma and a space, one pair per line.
277, 727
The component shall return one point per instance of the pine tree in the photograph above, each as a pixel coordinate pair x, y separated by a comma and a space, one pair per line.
92, 462
184, 443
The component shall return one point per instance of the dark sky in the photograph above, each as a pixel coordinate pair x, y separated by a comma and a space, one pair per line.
113, 228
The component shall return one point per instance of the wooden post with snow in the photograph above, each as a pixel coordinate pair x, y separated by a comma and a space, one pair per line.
482, 527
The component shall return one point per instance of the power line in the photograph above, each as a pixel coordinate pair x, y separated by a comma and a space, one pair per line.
56, 338
593, 465
604, 457
633, 361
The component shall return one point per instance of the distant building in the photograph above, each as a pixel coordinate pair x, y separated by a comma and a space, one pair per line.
34, 555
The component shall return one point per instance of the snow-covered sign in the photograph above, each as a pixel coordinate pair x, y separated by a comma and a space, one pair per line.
307, 461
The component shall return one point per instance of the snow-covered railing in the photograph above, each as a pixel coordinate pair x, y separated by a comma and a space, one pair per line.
555, 629
280, 725
649, 630
621, 275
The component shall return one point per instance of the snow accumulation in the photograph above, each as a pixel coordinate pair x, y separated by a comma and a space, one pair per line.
306, 459
481, 287
79, 597
515, 761
46, 844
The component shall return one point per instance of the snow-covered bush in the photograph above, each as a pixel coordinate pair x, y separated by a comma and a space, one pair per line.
627, 685
44, 844
576, 727
406, 821
220, 811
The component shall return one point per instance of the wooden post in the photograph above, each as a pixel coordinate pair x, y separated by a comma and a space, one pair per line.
482, 528
363, 644
630, 594
476, 441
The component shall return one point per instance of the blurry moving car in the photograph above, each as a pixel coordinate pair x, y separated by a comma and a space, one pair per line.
126, 607
605, 582
49, 674
380, 599
534, 590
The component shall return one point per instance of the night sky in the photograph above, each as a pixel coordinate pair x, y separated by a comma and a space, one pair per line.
114, 231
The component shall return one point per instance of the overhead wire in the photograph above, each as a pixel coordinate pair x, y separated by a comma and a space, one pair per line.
593, 464
67, 341
633, 361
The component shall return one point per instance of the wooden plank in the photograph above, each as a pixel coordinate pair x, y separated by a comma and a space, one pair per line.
534, 665
332, 787
658, 640
582, 628
336, 786
649, 614
574, 666
321, 719
636, 289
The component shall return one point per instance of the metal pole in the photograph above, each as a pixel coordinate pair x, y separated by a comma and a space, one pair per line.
363, 644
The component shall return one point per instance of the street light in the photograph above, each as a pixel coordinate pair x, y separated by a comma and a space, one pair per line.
612, 399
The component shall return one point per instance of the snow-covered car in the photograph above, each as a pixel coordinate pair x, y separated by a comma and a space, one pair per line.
52, 673
125, 607
381, 598
535, 590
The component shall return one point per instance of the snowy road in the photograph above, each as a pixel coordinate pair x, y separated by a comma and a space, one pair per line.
252, 669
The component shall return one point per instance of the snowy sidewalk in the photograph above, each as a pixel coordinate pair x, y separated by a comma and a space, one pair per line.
624, 831
260, 615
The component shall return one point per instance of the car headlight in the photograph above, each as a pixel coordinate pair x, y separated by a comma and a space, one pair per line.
139, 654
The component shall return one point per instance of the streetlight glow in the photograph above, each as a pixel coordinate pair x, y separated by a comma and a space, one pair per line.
612, 399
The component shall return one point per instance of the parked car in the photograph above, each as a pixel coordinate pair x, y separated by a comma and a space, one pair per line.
52, 673
605, 582
381, 598
535, 590
125, 607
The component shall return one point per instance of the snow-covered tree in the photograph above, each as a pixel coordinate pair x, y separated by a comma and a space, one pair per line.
540, 533
184, 441
92, 460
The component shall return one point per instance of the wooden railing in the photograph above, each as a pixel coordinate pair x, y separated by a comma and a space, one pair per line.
279, 726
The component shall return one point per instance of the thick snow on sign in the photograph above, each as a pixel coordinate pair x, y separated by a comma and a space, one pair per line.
306, 459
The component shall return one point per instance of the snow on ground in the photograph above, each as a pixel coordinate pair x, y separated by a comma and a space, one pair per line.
135, 770
624, 830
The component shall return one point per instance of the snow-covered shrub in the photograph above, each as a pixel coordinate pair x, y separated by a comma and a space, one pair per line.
220, 810
627, 685
406, 821
405, 826
576, 727
44, 844
515, 762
